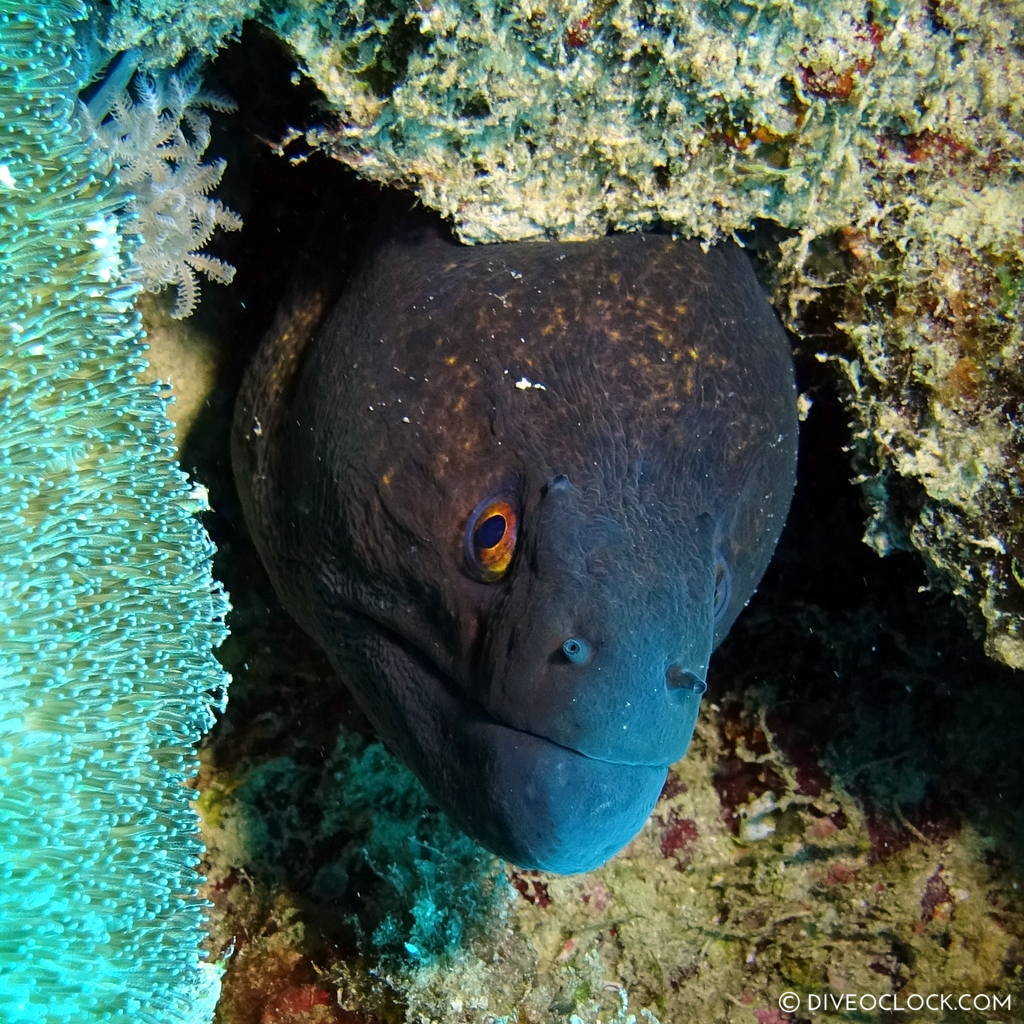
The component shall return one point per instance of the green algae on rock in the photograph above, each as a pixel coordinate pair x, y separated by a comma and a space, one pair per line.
521, 120
936, 382
109, 613
165, 31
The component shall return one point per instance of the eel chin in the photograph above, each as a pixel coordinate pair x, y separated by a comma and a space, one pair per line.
524, 797
541, 805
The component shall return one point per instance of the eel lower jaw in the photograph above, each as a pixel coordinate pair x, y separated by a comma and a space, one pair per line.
525, 797
441, 678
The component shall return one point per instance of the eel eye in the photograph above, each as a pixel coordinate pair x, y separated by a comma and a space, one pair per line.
491, 538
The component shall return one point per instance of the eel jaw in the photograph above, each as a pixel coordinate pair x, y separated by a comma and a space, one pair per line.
541, 805
524, 797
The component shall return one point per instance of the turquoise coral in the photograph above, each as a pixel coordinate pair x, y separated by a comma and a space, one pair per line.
427, 888
108, 611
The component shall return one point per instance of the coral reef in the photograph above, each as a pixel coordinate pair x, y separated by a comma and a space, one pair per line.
847, 820
886, 136
933, 308
843, 826
166, 31
862, 833
569, 119
108, 614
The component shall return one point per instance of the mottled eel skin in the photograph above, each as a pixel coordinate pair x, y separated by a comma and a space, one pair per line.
519, 493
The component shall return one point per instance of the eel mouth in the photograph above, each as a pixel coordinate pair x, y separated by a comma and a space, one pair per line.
454, 696
525, 797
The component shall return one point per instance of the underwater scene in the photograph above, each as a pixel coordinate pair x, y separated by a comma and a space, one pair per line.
513, 512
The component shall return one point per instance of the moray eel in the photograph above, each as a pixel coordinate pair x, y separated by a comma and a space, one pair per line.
518, 493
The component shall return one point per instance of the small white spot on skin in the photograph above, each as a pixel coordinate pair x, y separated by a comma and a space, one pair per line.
523, 384
405, 419
257, 428
6, 178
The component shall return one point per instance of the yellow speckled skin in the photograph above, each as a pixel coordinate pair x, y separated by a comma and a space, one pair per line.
633, 399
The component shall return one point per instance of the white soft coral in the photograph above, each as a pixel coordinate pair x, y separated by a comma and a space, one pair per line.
156, 144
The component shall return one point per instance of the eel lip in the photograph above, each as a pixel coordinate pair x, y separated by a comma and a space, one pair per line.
442, 680
527, 798
541, 805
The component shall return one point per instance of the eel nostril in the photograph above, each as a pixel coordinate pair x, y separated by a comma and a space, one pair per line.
679, 679
576, 650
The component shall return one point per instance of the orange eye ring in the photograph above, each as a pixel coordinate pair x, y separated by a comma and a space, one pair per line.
490, 538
